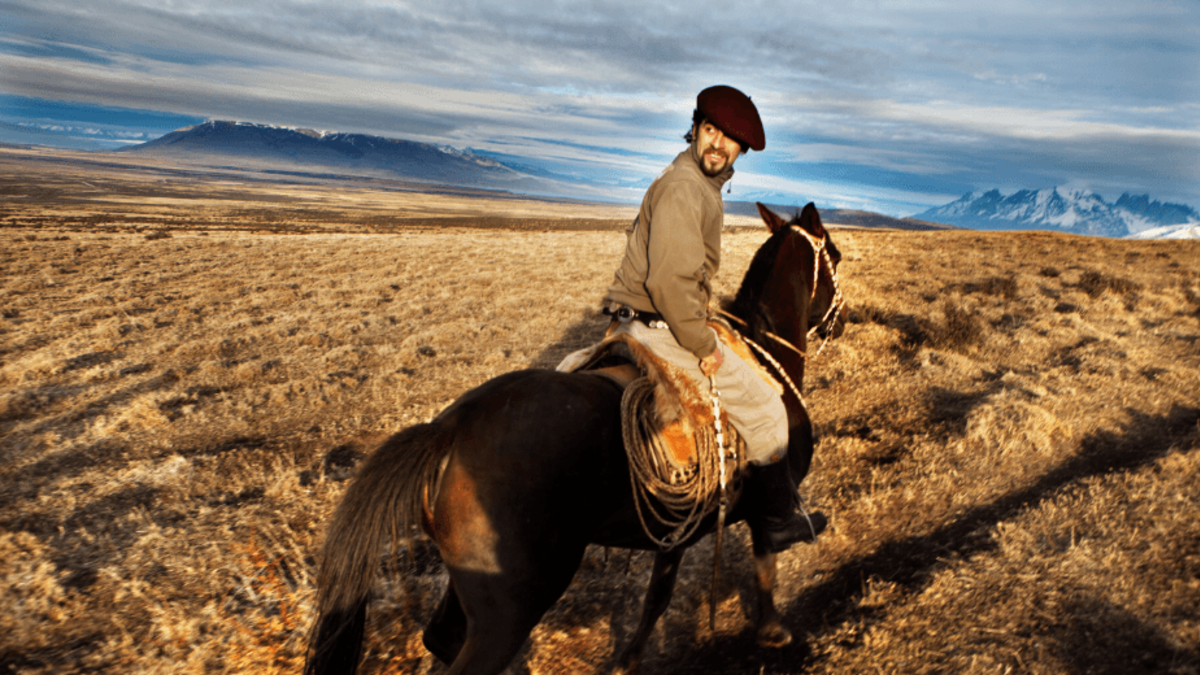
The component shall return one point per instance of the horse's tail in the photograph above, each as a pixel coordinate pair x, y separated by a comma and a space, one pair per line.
384, 502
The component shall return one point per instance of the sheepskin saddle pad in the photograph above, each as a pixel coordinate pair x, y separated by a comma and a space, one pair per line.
680, 409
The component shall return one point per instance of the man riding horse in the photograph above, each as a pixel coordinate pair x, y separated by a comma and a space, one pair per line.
520, 475
660, 296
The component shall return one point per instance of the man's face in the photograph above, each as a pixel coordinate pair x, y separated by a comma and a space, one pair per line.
717, 151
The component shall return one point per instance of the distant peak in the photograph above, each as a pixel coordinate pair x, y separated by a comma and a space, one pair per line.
1063, 208
238, 142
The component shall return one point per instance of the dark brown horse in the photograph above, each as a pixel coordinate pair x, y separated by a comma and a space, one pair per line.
517, 477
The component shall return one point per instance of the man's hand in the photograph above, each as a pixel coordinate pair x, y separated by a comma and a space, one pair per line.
711, 363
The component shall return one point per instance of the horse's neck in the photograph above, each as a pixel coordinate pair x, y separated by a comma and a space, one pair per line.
792, 363
778, 356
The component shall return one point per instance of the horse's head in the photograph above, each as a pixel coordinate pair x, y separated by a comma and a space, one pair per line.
791, 289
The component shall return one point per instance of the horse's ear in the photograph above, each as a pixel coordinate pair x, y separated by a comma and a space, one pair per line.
773, 221
810, 220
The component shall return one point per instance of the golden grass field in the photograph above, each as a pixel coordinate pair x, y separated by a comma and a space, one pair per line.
193, 362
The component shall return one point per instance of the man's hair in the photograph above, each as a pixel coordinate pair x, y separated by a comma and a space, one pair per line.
699, 119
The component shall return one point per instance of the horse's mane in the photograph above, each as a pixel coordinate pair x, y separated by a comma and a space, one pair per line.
745, 305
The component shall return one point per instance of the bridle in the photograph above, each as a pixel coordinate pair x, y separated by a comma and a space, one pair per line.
821, 258
821, 255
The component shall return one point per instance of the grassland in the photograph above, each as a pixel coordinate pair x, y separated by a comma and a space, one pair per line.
191, 365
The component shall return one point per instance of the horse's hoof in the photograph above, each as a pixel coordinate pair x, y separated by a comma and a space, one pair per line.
628, 664
774, 635
625, 669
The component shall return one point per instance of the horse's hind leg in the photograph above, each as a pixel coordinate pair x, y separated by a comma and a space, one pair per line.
447, 630
502, 585
502, 609
658, 596
771, 631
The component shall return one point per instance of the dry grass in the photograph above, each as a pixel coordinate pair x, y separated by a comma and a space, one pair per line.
1012, 457
1008, 439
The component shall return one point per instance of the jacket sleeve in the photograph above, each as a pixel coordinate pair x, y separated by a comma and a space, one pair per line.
675, 267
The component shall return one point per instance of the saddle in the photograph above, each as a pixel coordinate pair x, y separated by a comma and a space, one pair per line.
681, 406
671, 438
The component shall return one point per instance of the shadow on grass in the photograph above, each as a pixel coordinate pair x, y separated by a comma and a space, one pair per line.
1099, 637
586, 331
72, 423
911, 562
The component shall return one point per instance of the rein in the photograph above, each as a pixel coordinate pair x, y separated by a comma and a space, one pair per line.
820, 256
723, 503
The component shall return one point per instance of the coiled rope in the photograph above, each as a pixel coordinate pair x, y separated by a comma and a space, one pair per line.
674, 495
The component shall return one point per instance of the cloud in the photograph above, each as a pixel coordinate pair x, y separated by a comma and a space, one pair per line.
1019, 123
901, 93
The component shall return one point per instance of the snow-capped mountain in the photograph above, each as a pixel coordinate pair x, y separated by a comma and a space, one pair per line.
1075, 211
1185, 231
1156, 220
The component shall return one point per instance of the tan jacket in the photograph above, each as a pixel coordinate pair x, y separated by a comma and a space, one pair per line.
673, 251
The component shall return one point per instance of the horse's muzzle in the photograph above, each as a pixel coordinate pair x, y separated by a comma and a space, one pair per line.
834, 329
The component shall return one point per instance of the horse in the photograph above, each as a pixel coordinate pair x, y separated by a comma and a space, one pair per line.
514, 480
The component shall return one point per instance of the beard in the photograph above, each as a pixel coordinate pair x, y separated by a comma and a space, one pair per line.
717, 168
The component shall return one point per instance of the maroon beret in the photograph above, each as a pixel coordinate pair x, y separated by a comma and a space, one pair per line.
734, 113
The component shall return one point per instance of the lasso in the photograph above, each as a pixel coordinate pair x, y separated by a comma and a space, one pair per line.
675, 495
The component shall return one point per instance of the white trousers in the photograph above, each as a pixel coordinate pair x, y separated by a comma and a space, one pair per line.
754, 408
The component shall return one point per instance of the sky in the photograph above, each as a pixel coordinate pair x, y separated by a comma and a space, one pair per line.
893, 107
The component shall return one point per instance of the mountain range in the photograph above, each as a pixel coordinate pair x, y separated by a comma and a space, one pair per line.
258, 145
842, 217
1066, 210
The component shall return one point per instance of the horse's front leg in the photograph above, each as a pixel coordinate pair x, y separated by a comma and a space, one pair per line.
771, 632
658, 596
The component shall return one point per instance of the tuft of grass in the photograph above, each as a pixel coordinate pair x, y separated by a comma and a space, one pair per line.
1005, 287
960, 329
1096, 284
